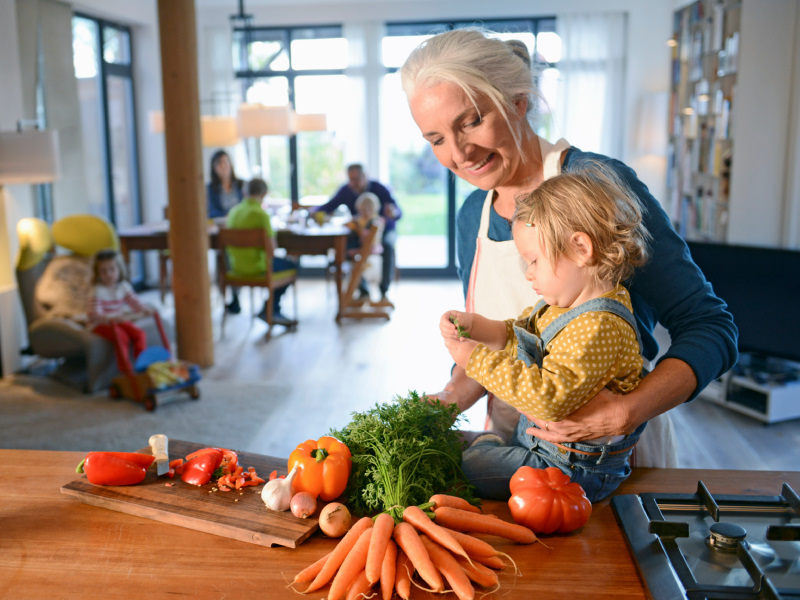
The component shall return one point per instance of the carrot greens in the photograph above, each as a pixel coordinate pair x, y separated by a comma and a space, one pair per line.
463, 333
403, 453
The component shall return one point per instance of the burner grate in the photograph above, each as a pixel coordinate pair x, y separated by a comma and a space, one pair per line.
705, 547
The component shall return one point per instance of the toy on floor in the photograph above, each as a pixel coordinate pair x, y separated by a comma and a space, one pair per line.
154, 373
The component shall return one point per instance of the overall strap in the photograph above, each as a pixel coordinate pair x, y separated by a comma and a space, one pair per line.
597, 304
537, 310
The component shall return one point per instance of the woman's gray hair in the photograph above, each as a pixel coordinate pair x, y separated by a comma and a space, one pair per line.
480, 65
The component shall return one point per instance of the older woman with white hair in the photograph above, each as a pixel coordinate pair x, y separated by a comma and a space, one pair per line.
471, 95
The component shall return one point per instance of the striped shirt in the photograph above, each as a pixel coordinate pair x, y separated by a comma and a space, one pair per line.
113, 302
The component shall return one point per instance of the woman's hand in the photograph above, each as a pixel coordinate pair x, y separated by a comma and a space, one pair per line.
461, 390
460, 349
670, 384
602, 416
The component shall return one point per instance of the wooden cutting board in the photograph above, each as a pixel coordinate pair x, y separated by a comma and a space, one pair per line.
239, 515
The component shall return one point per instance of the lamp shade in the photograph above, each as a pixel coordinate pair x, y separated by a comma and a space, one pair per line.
218, 131
156, 121
255, 120
29, 156
310, 122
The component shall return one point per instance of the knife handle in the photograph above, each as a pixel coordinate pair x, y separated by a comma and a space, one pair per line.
158, 444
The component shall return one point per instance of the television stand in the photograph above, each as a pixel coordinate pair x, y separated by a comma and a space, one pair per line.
764, 388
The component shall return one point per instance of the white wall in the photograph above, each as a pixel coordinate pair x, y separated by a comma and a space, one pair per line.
15, 200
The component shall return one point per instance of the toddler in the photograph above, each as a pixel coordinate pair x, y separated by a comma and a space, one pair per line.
114, 303
367, 206
580, 235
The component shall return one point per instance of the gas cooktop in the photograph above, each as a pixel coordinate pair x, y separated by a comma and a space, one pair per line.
714, 547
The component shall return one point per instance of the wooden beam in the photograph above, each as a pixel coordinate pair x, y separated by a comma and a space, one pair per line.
188, 239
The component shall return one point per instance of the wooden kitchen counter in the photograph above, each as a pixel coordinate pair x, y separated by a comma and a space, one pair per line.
54, 546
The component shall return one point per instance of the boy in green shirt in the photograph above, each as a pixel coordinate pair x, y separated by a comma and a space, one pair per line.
248, 214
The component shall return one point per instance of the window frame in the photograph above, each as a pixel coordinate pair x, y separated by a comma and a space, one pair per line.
248, 76
122, 71
433, 26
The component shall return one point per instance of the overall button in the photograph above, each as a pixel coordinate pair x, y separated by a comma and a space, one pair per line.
562, 450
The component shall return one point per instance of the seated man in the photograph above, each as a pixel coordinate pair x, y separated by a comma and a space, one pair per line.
357, 184
248, 214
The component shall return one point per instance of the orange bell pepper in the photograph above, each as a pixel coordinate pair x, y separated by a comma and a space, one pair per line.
324, 467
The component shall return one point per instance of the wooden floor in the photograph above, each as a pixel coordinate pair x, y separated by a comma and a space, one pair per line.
337, 369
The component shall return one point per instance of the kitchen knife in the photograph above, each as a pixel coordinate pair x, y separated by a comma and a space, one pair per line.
158, 444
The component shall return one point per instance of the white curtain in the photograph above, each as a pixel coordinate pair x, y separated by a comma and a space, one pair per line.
587, 110
45, 41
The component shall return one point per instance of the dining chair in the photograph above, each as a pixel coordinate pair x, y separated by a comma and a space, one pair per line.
252, 238
350, 307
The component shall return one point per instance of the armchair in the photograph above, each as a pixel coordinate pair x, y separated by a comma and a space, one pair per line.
55, 291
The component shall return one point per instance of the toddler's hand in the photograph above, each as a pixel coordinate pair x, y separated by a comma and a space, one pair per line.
463, 323
446, 326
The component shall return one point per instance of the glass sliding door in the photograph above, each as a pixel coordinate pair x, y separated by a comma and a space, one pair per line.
102, 61
304, 68
419, 184
122, 159
85, 47
429, 195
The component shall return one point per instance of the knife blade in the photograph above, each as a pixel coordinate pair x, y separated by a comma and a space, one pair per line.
158, 444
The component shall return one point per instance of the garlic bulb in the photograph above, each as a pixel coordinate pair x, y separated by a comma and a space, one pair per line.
277, 494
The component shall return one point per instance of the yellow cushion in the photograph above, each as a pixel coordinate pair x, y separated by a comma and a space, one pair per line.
35, 242
85, 235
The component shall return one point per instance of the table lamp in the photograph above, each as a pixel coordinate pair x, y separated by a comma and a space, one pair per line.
28, 156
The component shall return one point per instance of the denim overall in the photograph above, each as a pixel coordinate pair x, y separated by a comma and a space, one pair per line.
489, 464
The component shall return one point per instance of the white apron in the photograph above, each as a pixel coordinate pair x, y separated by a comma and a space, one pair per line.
497, 285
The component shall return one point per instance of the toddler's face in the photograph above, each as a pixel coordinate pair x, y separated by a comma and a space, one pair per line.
560, 284
108, 272
366, 210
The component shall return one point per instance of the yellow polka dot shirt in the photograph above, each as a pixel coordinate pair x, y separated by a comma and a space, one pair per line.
595, 350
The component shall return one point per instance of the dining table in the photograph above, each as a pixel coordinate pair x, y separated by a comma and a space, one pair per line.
297, 240
53, 545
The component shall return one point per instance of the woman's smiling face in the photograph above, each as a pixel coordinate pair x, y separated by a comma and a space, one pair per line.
474, 143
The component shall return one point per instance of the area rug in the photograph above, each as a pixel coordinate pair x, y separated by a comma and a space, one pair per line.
42, 414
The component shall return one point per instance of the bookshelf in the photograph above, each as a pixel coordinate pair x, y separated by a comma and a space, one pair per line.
705, 52
731, 124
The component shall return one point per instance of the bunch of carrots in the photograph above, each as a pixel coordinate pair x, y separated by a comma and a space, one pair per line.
438, 548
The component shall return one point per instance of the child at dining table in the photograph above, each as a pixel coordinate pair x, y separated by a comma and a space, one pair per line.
581, 235
367, 207
113, 304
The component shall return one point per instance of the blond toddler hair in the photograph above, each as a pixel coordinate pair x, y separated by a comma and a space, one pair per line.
595, 201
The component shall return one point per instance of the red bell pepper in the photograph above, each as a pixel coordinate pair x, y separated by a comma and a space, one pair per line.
229, 458
115, 468
199, 469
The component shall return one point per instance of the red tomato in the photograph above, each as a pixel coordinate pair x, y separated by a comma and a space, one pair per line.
544, 500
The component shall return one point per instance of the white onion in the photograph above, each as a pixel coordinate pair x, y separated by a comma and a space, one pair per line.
334, 519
